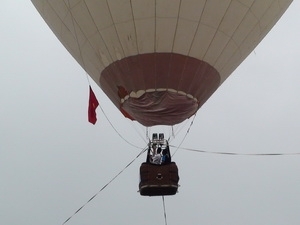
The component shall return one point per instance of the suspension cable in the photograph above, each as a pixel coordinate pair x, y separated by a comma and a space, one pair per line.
105, 185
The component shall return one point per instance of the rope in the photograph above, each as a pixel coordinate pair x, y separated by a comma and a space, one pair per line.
105, 186
139, 130
84, 67
188, 130
173, 133
147, 133
165, 214
116, 129
235, 153
77, 41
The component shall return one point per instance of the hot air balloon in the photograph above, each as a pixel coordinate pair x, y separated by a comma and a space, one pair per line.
159, 61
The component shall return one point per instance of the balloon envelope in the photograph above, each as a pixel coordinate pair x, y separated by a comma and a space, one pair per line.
160, 60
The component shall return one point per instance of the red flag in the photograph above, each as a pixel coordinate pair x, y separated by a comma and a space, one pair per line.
93, 104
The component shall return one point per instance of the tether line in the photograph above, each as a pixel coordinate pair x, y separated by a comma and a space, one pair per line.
165, 214
116, 129
185, 135
236, 153
105, 185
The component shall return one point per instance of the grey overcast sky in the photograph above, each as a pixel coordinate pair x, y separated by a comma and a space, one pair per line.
52, 160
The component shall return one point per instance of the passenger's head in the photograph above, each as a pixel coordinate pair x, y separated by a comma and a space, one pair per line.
159, 150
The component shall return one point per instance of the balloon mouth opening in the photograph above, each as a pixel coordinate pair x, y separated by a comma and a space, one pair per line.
159, 106
139, 93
